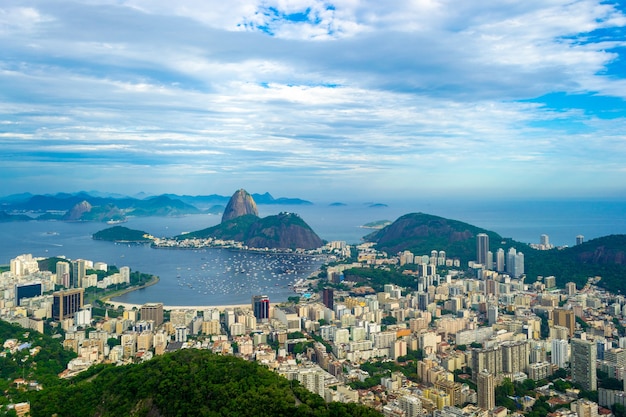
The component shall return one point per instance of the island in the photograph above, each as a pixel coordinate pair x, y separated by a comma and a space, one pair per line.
123, 235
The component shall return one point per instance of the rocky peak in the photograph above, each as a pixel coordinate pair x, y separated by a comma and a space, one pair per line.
240, 204
78, 210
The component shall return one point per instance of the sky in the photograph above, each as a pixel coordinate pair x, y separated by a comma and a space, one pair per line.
314, 99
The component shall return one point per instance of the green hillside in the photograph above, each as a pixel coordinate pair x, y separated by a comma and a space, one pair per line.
420, 233
121, 234
188, 382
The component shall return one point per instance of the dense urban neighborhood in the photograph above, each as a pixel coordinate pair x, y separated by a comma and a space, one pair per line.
404, 334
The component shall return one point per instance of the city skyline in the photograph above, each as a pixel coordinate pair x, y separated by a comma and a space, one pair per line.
314, 99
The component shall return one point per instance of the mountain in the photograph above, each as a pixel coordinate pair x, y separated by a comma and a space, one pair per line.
84, 211
268, 199
240, 204
188, 382
160, 206
420, 233
285, 230
282, 231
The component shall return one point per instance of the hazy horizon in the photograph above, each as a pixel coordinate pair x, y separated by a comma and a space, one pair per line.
320, 100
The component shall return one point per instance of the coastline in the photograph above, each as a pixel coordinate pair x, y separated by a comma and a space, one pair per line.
107, 299
131, 306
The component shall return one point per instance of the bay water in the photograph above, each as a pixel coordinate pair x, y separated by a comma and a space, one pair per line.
222, 277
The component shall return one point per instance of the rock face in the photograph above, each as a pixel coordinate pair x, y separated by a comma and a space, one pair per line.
240, 204
77, 212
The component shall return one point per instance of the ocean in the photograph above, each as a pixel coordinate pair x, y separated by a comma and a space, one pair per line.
220, 276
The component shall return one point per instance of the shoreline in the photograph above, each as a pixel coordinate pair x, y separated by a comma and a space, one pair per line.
131, 306
107, 299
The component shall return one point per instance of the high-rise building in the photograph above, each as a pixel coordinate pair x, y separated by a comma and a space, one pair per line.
515, 356
66, 303
515, 263
544, 240
261, 307
489, 359
560, 354
486, 390
580, 239
79, 271
482, 247
63, 274
500, 260
328, 297
492, 314
152, 311
583, 364
565, 318
570, 288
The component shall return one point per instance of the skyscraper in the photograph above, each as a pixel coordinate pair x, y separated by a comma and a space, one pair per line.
583, 363
515, 263
580, 239
486, 390
500, 260
482, 247
261, 307
79, 270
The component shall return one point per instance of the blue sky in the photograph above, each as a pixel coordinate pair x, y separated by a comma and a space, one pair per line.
315, 99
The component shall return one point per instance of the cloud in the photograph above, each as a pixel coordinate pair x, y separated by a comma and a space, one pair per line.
287, 91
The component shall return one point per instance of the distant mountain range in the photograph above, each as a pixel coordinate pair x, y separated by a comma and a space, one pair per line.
94, 206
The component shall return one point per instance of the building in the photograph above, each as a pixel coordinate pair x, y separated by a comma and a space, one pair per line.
66, 303
584, 408
560, 355
486, 391
63, 274
328, 297
515, 356
482, 249
565, 318
570, 288
583, 364
152, 311
79, 271
515, 263
500, 260
27, 290
261, 307
580, 239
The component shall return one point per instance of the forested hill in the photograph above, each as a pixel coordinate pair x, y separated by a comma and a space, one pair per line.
188, 382
420, 233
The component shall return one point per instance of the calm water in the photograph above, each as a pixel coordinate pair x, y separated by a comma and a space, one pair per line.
216, 276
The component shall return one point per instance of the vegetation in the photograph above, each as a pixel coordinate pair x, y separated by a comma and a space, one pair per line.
420, 233
41, 361
187, 382
121, 234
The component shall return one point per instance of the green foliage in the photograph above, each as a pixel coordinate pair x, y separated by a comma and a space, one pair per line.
378, 277
185, 383
388, 320
296, 335
121, 234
